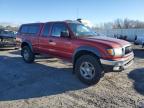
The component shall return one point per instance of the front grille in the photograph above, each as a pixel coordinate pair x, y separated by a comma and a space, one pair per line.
128, 49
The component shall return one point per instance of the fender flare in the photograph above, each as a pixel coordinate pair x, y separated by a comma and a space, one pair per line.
29, 44
85, 48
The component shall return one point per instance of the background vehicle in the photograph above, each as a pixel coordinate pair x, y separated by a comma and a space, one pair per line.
91, 55
139, 40
5, 34
7, 38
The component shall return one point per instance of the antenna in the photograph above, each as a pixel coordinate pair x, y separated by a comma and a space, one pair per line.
77, 13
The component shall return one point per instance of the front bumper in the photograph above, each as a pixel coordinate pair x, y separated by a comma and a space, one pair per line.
119, 64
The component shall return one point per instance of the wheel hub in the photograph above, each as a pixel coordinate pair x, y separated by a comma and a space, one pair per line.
87, 70
26, 54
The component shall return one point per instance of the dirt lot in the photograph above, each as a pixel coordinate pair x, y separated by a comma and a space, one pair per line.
50, 83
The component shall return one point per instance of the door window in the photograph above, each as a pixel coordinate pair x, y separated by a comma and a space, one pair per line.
46, 30
58, 28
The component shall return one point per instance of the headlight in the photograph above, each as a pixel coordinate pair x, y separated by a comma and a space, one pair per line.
115, 51
111, 52
118, 51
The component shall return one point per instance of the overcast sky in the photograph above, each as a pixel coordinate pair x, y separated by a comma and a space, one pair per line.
97, 11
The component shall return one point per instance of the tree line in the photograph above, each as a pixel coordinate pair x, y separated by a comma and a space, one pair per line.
10, 28
123, 24
117, 24
126, 24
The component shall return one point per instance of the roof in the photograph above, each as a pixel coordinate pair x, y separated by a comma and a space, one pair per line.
67, 21
72, 21
32, 23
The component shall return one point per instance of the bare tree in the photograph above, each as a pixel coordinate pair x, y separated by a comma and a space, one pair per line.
118, 24
122, 24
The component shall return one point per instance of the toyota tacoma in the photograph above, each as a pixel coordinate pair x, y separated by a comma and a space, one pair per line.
90, 54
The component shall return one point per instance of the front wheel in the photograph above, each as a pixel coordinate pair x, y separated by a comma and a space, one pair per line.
27, 54
88, 69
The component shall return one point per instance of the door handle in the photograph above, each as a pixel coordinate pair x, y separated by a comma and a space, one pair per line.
50, 40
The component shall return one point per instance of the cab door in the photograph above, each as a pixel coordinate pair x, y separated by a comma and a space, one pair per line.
60, 43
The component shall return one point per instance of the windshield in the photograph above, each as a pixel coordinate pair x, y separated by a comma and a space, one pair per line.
81, 30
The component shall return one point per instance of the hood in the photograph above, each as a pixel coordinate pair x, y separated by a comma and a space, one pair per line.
107, 41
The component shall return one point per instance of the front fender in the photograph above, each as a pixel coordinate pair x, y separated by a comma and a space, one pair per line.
86, 48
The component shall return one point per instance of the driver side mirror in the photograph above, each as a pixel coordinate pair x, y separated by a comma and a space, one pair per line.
65, 34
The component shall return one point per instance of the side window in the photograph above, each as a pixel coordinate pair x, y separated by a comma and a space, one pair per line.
24, 29
33, 29
46, 30
58, 28
30, 29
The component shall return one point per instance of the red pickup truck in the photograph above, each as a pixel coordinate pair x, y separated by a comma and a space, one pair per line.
90, 54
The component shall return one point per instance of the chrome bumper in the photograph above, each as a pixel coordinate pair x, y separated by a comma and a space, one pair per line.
119, 65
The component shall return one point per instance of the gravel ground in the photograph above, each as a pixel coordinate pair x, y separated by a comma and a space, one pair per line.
49, 83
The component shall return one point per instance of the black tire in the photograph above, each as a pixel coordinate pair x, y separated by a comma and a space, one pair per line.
31, 56
96, 65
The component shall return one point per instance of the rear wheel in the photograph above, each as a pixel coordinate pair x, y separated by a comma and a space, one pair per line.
27, 54
88, 69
